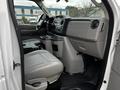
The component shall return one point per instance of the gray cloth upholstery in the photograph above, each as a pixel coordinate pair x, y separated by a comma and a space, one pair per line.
42, 64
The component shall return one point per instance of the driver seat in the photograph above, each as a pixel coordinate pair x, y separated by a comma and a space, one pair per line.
42, 64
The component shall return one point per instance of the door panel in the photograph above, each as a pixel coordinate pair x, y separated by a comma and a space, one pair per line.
16, 59
28, 31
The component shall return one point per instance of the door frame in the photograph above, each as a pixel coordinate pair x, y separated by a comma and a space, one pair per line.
113, 34
10, 4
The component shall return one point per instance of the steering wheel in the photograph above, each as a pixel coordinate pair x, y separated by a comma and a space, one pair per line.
40, 21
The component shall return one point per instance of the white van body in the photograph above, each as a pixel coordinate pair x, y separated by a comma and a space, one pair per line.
2, 75
10, 79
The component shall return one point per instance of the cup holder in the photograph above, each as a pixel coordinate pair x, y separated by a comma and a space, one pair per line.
36, 84
75, 89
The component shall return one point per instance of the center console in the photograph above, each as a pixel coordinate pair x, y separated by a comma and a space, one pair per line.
30, 45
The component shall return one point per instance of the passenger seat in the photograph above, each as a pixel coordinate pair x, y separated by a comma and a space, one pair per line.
42, 64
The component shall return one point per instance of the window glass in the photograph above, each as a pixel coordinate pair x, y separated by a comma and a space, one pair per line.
74, 8
27, 12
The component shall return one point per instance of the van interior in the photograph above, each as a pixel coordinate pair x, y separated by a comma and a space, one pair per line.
63, 52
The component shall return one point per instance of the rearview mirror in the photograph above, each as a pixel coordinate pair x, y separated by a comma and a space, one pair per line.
59, 0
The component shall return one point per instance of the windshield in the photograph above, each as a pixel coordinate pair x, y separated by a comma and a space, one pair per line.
73, 8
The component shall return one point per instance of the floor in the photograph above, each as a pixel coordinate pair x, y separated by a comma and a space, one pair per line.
86, 81
76, 82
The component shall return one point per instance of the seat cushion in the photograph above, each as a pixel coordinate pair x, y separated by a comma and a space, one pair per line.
42, 64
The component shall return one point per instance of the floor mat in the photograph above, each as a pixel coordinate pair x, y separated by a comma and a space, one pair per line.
81, 87
86, 81
76, 82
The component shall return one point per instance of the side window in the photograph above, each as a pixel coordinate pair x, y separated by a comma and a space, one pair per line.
27, 12
74, 8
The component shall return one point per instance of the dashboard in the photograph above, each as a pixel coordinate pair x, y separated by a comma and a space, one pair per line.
87, 35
